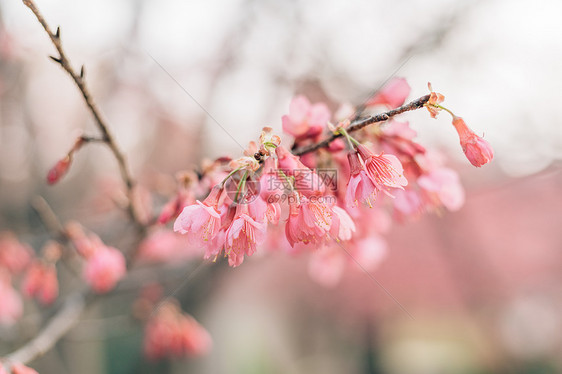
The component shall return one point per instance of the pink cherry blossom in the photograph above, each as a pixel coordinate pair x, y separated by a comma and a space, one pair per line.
287, 161
11, 307
164, 245
172, 334
271, 184
309, 220
393, 94
273, 213
343, 226
201, 221
105, 267
326, 265
86, 244
407, 203
14, 255
59, 170
41, 282
443, 187
360, 187
384, 170
174, 206
305, 119
477, 150
310, 160
257, 207
397, 138
306, 180
243, 236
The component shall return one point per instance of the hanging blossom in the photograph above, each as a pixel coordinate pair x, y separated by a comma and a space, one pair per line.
385, 170
183, 197
104, 269
40, 281
360, 187
169, 333
201, 222
477, 150
104, 266
243, 236
309, 220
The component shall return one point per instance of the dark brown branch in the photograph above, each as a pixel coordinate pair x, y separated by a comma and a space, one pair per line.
91, 139
359, 123
107, 137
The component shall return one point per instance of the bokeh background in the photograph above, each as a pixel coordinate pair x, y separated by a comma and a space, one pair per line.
484, 284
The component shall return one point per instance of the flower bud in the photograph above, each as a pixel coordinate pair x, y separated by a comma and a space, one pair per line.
60, 169
477, 150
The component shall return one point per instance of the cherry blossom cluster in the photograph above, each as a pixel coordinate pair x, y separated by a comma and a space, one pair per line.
36, 276
273, 198
171, 333
103, 267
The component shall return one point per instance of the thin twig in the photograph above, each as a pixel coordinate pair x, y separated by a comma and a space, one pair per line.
49, 218
107, 137
359, 123
92, 139
57, 327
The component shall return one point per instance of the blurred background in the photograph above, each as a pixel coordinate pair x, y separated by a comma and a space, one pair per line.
483, 284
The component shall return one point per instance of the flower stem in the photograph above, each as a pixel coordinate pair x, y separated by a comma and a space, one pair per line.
287, 179
445, 109
350, 139
241, 185
230, 175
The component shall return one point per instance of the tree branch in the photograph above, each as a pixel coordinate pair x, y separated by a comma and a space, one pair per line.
58, 326
359, 123
107, 137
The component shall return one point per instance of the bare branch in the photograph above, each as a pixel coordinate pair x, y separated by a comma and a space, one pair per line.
78, 78
359, 123
58, 326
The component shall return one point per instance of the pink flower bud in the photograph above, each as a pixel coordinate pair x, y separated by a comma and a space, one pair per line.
173, 334
105, 267
41, 282
243, 236
305, 119
477, 150
14, 255
60, 169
